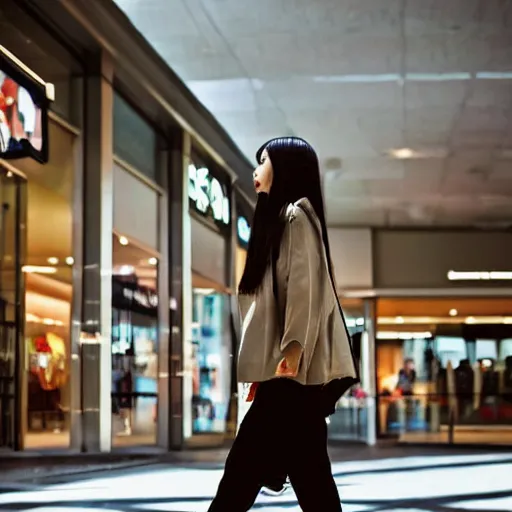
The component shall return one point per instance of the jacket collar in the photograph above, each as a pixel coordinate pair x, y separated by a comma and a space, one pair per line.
305, 205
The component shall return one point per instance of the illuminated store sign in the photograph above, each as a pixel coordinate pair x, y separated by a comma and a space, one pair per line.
207, 194
142, 297
243, 230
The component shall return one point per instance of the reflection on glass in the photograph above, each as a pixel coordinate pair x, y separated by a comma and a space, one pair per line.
134, 344
47, 272
350, 420
210, 362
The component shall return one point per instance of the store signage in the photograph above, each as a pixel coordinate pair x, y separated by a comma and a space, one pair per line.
243, 230
144, 298
207, 194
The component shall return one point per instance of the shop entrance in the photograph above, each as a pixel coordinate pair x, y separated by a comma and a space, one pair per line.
444, 369
12, 221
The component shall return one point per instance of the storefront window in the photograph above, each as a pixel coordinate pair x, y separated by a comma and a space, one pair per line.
442, 371
210, 362
48, 289
351, 417
134, 344
210, 350
12, 198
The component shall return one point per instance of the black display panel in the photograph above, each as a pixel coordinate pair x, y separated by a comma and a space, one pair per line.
24, 103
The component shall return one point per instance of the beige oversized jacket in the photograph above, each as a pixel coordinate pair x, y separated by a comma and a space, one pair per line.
308, 310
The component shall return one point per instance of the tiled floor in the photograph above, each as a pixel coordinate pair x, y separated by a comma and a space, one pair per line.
442, 483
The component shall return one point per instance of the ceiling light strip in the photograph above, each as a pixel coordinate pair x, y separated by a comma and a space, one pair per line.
481, 275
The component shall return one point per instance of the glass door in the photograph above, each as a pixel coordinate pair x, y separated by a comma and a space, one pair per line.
12, 247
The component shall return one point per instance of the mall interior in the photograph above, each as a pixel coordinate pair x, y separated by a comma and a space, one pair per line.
126, 214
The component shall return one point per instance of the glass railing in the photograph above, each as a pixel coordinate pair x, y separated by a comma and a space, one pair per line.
447, 418
350, 421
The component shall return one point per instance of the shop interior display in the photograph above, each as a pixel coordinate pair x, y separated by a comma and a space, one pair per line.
210, 363
450, 388
47, 346
134, 344
48, 375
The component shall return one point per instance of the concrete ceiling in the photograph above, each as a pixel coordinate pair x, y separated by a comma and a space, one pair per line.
359, 78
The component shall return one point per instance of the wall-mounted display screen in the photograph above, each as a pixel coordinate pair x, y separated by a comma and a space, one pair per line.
24, 105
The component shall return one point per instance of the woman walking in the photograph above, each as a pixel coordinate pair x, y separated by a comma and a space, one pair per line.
295, 351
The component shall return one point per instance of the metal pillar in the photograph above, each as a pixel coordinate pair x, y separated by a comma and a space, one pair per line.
180, 284
368, 381
94, 355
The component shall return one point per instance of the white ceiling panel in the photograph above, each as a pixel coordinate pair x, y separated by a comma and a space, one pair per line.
358, 79
294, 16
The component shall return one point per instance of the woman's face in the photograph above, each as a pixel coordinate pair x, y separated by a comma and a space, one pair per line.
263, 174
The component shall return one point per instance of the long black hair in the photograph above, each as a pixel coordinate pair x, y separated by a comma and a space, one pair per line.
296, 175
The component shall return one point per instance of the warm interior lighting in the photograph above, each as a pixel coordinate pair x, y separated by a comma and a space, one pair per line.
123, 270
152, 261
397, 335
453, 312
123, 240
53, 260
492, 275
429, 320
402, 153
399, 320
70, 260
204, 291
37, 269
9, 174
34, 319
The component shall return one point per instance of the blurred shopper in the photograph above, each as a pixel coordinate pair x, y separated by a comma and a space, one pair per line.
407, 378
295, 351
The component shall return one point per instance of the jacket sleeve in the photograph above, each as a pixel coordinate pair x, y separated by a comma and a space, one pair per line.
302, 308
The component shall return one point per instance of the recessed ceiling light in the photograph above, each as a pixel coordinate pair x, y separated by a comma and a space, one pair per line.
9, 174
124, 270
402, 153
399, 320
70, 260
53, 260
453, 312
153, 261
123, 240
470, 320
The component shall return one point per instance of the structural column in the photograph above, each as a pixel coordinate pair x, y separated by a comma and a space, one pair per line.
180, 285
164, 302
95, 336
232, 417
368, 350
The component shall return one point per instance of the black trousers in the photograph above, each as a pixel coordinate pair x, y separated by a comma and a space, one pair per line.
284, 432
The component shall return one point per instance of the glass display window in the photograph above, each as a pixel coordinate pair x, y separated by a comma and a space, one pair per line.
134, 344
211, 362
